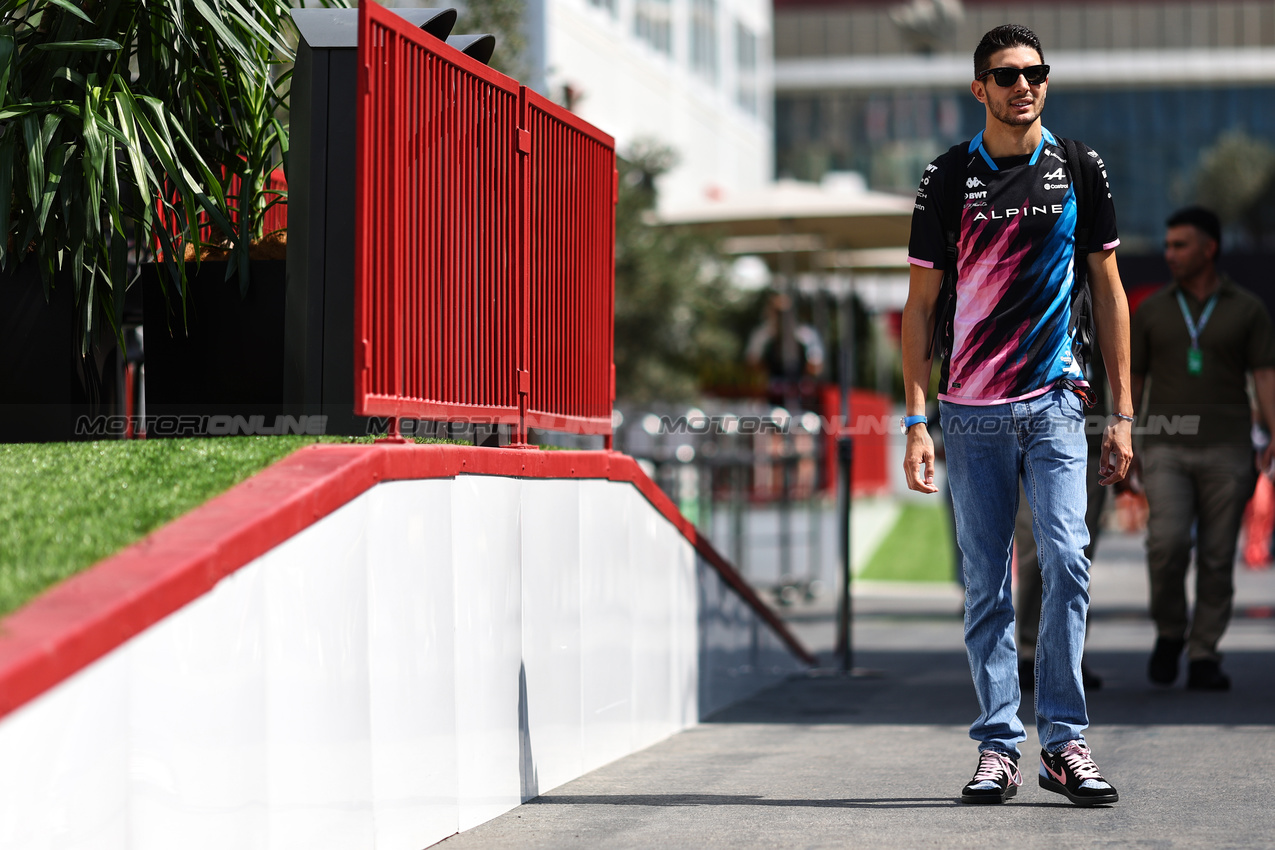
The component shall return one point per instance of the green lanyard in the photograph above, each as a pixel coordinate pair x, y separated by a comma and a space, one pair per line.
1194, 358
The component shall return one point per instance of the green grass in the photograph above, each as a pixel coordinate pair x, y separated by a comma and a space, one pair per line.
68, 505
918, 548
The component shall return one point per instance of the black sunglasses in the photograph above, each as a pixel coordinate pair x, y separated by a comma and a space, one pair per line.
1006, 77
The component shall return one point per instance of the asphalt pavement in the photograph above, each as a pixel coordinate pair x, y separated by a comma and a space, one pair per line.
877, 759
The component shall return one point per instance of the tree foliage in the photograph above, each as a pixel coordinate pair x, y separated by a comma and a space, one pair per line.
677, 317
506, 20
1236, 179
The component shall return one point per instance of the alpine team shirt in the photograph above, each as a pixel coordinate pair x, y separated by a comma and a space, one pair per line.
1015, 256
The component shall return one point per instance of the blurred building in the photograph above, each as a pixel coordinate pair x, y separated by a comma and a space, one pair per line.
1165, 91
695, 75
692, 74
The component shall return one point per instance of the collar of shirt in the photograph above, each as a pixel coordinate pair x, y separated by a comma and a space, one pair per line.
1225, 286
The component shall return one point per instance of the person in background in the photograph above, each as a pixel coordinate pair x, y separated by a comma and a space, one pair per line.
1193, 345
765, 348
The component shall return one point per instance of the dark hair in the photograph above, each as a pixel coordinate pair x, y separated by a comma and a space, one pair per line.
1203, 220
1004, 36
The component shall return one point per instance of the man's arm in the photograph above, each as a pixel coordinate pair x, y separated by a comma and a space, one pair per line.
918, 329
1264, 384
1111, 314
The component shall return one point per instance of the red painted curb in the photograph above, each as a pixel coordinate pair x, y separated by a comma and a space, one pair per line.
82, 619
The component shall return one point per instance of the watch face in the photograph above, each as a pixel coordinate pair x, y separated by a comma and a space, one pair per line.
903, 425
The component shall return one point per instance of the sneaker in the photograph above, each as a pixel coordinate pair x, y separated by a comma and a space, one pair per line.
1071, 772
995, 781
1163, 666
1205, 674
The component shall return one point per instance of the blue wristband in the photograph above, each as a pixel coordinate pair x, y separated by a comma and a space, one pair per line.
908, 421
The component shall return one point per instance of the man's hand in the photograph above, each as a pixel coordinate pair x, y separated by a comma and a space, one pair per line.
919, 454
1117, 451
1132, 482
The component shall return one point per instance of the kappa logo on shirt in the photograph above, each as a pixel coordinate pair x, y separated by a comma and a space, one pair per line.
974, 183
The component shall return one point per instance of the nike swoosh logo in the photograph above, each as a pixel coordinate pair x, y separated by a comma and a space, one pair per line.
1060, 778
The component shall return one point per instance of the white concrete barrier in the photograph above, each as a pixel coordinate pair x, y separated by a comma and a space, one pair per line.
420, 660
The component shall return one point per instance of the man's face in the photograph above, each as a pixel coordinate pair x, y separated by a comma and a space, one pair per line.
1188, 251
1019, 104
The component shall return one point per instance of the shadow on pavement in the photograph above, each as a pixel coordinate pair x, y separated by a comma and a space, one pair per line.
737, 800
933, 688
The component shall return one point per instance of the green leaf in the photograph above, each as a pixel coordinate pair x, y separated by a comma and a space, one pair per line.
34, 157
281, 136
89, 45
6, 61
73, 9
70, 76
93, 162
223, 32
53, 178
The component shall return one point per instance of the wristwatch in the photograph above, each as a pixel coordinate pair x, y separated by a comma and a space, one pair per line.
908, 421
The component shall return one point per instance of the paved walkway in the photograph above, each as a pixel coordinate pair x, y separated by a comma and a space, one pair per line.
878, 760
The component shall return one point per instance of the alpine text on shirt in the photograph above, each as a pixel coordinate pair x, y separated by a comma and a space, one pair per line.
1015, 256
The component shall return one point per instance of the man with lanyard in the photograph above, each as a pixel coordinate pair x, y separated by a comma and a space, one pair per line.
1012, 402
1195, 341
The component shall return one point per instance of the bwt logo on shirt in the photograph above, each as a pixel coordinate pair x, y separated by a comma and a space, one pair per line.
973, 183
970, 196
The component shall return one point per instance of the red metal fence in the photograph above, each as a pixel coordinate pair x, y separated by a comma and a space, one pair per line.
484, 269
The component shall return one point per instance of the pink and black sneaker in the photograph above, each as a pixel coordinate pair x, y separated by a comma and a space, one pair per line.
995, 781
1071, 772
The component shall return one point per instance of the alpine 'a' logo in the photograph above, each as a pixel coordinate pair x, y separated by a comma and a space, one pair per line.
973, 183
1058, 174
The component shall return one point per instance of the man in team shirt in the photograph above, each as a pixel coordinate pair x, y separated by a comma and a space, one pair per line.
1196, 340
1012, 399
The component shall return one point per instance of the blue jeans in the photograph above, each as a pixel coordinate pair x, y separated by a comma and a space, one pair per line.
1042, 441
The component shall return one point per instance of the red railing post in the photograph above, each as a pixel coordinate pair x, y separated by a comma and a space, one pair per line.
522, 229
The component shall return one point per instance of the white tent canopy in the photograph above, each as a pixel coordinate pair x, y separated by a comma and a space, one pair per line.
802, 218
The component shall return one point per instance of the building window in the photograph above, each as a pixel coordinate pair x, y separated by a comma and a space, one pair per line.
746, 68
704, 38
653, 23
609, 5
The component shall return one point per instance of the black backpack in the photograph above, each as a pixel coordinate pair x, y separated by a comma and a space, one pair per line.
1082, 168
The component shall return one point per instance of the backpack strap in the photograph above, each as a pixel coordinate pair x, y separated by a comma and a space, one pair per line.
1083, 169
953, 195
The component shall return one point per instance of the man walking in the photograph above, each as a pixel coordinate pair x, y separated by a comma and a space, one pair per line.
1012, 397
1196, 340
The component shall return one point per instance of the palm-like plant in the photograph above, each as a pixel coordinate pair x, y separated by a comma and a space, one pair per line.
122, 122
234, 68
